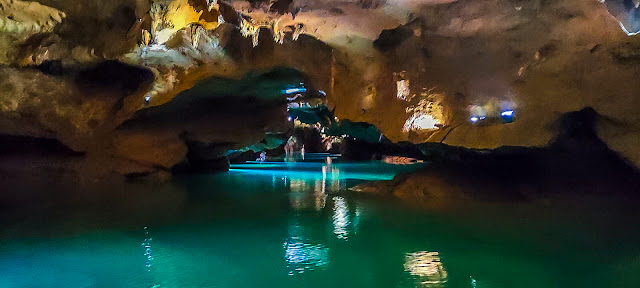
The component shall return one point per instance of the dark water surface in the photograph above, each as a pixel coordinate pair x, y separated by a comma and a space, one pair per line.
294, 225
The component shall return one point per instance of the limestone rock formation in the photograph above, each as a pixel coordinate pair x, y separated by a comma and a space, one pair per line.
20, 20
437, 71
206, 121
577, 162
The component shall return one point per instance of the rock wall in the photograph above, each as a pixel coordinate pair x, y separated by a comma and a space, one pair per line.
538, 58
418, 70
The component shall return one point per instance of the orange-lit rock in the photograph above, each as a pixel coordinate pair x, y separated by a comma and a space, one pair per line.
537, 58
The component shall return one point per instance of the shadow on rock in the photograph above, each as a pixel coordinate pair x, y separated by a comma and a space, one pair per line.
576, 162
203, 123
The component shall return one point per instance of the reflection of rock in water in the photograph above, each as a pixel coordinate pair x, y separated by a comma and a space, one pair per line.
426, 266
307, 194
312, 193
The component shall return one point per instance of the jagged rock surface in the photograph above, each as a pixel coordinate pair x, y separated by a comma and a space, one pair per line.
447, 58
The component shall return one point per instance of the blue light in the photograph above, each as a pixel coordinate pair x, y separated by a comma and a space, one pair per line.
294, 90
627, 31
508, 116
474, 119
289, 118
147, 98
322, 92
507, 113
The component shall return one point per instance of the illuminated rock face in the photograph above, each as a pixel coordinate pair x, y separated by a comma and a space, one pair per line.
41, 105
417, 70
206, 121
20, 20
536, 58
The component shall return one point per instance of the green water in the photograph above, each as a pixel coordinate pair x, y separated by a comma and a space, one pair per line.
294, 225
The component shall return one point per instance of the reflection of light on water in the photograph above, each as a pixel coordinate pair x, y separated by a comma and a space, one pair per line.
356, 220
307, 194
320, 195
147, 249
324, 179
340, 218
336, 183
298, 185
301, 256
311, 192
427, 266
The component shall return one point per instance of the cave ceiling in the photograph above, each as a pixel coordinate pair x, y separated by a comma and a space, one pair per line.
418, 70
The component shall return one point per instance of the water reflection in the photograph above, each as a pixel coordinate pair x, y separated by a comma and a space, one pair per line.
301, 256
340, 218
148, 253
300, 252
427, 268
310, 190
323, 218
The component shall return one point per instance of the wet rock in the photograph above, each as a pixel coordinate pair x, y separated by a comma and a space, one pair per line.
377, 188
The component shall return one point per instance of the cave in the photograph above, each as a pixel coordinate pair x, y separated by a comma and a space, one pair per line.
319, 143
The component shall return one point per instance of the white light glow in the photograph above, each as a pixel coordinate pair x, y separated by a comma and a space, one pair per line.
148, 253
295, 90
427, 266
301, 256
474, 119
507, 113
340, 218
403, 90
420, 121
627, 31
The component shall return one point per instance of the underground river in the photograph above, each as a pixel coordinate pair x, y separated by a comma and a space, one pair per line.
295, 224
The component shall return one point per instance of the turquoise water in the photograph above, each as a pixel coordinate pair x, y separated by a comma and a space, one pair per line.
295, 225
